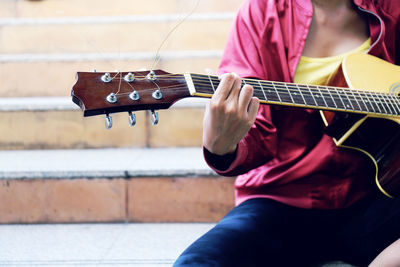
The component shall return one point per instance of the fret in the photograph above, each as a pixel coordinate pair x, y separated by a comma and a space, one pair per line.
337, 100
324, 99
372, 101
345, 99
360, 99
396, 103
262, 89
328, 97
212, 84
378, 102
389, 108
331, 98
258, 92
295, 94
308, 95
353, 99
276, 91
367, 102
283, 93
317, 96
388, 103
302, 95
392, 104
215, 82
202, 85
270, 92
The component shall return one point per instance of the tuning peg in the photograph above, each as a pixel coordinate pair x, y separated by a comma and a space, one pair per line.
112, 98
134, 95
106, 77
132, 119
154, 117
129, 77
109, 122
152, 76
157, 94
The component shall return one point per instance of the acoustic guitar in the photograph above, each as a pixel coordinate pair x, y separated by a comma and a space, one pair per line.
360, 107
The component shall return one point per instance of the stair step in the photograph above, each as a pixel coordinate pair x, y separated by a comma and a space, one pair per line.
102, 163
56, 78
111, 185
57, 123
144, 244
35, 9
114, 37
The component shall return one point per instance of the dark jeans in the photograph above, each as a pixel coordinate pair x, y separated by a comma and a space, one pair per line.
263, 232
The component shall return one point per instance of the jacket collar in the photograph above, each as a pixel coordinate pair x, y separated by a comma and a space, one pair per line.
307, 4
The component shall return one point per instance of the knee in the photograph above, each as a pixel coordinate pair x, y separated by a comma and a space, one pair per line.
389, 257
192, 260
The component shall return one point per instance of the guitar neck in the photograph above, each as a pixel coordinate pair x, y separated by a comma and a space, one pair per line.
306, 96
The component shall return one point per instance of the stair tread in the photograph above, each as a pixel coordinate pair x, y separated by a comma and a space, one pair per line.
141, 244
65, 103
144, 244
103, 163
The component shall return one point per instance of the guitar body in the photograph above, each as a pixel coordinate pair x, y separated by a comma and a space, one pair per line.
376, 136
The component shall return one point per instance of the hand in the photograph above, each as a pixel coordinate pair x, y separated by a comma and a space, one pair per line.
229, 115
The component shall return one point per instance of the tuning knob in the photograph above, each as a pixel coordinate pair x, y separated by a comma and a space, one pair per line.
109, 122
157, 94
106, 77
129, 77
154, 117
112, 98
132, 119
134, 95
151, 76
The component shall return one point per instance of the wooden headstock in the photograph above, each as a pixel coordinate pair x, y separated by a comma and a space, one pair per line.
100, 93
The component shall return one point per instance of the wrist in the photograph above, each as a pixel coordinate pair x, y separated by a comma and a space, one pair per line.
221, 150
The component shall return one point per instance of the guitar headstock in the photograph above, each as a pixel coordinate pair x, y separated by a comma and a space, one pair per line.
102, 93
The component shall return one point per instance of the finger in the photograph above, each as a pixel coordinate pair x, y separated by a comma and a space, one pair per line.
253, 108
225, 86
233, 97
245, 97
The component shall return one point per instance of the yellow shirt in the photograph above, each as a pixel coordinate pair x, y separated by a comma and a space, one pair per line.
317, 71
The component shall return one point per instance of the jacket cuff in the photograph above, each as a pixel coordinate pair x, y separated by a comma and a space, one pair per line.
225, 164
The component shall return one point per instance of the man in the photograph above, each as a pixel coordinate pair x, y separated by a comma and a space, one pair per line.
301, 200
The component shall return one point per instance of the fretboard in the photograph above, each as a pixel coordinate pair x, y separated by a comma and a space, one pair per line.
310, 96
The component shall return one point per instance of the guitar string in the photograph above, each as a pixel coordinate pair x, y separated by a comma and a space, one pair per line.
214, 78
284, 84
157, 56
306, 91
183, 88
288, 88
309, 96
355, 95
388, 99
331, 97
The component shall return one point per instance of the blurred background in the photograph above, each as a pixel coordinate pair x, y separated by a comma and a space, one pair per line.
57, 167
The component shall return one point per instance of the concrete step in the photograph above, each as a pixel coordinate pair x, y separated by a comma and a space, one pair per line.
96, 244
57, 123
115, 34
33, 77
60, 8
111, 185
150, 245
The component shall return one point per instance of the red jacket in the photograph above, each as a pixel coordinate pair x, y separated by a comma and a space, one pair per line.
286, 156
